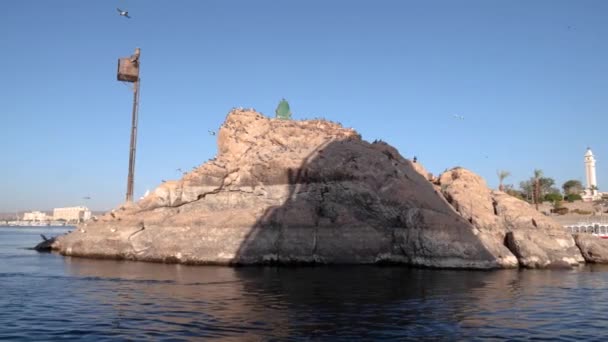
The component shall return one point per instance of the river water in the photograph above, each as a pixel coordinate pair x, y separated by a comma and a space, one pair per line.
45, 296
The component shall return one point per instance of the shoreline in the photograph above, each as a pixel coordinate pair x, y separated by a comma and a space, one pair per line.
37, 226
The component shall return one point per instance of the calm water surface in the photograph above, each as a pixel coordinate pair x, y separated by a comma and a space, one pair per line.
48, 297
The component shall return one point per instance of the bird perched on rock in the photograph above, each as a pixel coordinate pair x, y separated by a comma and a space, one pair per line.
123, 13
211, 132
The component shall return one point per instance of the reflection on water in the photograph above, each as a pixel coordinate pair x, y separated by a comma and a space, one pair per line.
54, 297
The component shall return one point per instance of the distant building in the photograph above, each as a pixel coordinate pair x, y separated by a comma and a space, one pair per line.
72, 214
35, 216
591, 193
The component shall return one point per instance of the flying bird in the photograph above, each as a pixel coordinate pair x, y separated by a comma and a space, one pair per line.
87, 197
123, 13
459, 117
211, 132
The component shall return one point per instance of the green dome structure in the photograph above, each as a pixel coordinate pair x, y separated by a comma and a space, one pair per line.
283, 111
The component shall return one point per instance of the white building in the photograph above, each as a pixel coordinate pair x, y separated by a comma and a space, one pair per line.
591, 193
35, 216
72, 214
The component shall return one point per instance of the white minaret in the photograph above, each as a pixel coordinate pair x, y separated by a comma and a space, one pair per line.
590, 171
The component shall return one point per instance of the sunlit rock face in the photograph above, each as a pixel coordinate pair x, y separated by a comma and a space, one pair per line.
288, 192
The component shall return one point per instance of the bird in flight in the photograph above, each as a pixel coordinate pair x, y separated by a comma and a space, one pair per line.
459, 117
87, 197
123, 13
211, 132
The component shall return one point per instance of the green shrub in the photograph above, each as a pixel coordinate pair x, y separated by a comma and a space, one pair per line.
573, 197
553, 197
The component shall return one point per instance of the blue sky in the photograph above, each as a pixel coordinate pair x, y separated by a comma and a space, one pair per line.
529, 77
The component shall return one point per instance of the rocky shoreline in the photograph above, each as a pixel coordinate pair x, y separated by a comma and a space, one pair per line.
292, 192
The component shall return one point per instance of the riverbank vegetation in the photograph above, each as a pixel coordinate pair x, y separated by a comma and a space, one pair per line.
539, 189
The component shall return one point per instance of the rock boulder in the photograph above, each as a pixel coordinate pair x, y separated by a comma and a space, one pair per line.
593, 248
504, 221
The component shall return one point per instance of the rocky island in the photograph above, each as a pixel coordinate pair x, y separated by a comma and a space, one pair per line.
290, 192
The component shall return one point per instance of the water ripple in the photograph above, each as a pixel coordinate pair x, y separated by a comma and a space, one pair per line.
49, 297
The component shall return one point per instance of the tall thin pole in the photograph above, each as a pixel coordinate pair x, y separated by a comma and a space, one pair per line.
133, 146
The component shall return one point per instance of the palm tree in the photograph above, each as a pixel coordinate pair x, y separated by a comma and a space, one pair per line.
538, 174
502, 174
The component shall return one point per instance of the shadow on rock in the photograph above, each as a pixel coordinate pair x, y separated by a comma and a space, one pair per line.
293, 192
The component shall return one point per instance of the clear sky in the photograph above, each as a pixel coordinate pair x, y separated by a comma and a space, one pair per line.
530, 79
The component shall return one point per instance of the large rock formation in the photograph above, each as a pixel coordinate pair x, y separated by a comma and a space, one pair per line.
312, 191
